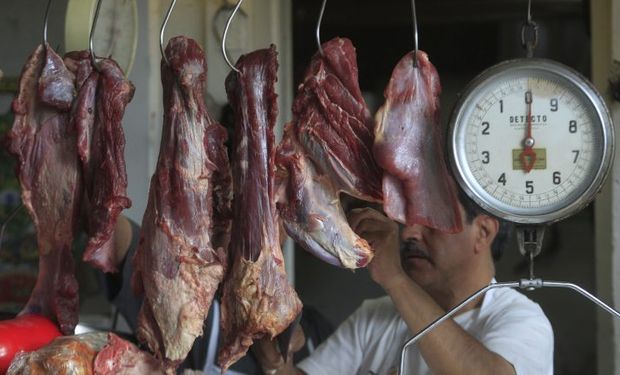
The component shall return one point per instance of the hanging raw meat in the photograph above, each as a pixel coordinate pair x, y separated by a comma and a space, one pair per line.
333, 122
417, 188
44, 144
328, 150
102, 97
178, 267
311, 210
257, 299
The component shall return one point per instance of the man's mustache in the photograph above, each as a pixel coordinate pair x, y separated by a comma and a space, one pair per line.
410, 248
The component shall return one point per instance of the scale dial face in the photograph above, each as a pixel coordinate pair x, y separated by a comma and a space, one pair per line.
532, 141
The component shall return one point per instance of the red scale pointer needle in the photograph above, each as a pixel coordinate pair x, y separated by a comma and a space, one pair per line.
528, 155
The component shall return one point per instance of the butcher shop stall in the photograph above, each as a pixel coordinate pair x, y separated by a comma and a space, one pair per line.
309, 186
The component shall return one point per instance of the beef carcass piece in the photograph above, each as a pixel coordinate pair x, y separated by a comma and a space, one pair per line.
332, 124
97, 353
311, 210
44, 144
105, 177
417, 187
177, 266
120, 357
97, 114
257, 298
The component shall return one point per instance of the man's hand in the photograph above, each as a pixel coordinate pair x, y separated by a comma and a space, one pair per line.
269, 357
382, 235
122, 239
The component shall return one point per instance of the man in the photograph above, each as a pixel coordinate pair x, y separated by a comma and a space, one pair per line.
203, 354
502, 332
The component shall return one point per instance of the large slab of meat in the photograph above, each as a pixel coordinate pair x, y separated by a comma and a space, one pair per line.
178, 265
310, 205
417, 188
98, 353
257, 298
328, 150
44, 144
103, 94
333, 122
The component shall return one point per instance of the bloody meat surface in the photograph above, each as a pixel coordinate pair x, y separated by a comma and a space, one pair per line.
325, 151
44, 143
257, 298
178, 267
417, 187
97, 114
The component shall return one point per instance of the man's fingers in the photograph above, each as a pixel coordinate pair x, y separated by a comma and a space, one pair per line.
359, 216
297, 341
267, 353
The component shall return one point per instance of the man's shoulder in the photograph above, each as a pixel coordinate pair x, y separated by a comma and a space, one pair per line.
508, 301
383, 303
377, 309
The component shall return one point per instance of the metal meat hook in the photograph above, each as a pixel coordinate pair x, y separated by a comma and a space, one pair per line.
47, 12
91, 48
8, 219
161, 32
318, 27
232, 15
415, 35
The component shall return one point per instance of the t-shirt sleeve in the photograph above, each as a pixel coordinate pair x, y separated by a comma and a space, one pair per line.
341, 353
523, 336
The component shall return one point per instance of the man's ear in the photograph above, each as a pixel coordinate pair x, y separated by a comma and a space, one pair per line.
486, 230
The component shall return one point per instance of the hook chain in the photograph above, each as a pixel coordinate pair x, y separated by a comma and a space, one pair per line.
529, 33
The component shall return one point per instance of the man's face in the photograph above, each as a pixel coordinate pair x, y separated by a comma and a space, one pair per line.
433, 258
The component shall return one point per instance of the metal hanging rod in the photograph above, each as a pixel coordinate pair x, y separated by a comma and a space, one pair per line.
91, 48
232, 15
415, 34
47, 12
163, 29
526, 284
318, 27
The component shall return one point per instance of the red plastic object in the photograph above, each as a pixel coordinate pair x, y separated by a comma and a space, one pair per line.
27, 333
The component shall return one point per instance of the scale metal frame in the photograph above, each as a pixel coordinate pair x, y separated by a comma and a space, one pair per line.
530, 227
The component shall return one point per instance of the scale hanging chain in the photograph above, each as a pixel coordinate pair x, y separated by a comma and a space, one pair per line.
529, 33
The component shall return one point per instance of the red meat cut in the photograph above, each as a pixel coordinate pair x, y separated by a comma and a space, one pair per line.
326, 151
257, 298
44, 143
102, 97
417, 187
178, 265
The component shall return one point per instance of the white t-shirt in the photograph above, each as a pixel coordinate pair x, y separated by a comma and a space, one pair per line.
370, 340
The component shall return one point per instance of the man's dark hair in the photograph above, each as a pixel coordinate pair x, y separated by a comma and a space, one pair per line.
472, 209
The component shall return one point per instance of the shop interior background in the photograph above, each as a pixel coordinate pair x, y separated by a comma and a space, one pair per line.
462, 38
